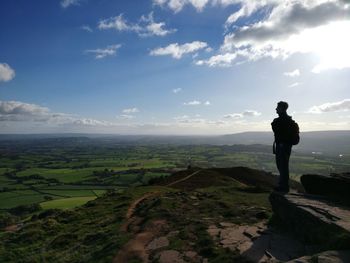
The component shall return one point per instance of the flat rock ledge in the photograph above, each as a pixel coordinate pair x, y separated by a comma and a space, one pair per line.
315, 220
332, 256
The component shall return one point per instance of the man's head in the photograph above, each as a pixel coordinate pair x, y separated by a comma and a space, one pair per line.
282, 107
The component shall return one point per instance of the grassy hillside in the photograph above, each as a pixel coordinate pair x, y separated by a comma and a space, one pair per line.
101, 230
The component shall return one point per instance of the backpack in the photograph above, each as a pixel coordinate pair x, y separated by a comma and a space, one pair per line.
294, 133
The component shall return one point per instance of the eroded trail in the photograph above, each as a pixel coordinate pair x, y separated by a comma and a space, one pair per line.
136, 247
184, 179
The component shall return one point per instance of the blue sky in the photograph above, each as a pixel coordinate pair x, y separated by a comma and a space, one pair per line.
171, 66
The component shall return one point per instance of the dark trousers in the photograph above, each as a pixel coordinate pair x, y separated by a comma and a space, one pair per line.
283, 151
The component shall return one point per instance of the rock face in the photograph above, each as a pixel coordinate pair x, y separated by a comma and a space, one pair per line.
325, 257
334, 186
256, 243
315, 220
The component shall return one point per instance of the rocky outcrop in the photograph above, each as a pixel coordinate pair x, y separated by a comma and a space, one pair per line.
256, 243
317, 221
342, 256
334, 186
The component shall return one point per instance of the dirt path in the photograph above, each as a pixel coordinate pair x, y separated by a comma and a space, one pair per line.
136, 247
184, 179
134, 204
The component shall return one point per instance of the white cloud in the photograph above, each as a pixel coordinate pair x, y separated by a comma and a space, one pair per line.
104, 52
6, 72
90, 122
10, 109
125, 117
221, 60
86, 28
247, 9
193, 103
131, 110
199, 5
293, 85
246, 113
177, 90
297, 26
197, 102
249, 113
233, 116
287, 27
145, 27
118, 23
16, 111
180, 118
294, 73
187, 120
177, 51
67, 3
343, 105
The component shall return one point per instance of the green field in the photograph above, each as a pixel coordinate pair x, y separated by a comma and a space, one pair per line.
72, 170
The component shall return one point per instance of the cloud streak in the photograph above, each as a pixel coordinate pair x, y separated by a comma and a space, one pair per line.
337, 106
197, 103
17, 111
177, 51
223, 60
177, 5
177, 90
131, 110
104, 52
246, 113
86, 28
294, 73
145, 27
68, 3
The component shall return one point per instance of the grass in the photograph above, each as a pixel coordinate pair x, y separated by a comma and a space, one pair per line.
14, 198
64, 175
70, 193
73, 164
66, 203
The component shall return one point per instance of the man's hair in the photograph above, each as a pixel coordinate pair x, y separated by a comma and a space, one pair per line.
283, 105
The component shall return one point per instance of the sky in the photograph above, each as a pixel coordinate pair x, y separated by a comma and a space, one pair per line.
169, 67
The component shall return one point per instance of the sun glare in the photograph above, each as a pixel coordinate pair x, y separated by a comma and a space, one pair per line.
329, 43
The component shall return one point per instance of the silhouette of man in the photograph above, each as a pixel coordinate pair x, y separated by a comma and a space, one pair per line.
282, 146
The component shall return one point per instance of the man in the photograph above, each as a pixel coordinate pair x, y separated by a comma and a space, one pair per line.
286, 133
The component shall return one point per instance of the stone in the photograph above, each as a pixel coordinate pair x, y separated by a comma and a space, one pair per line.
172, 234
315, 220
192, 256
227, 224
158, 243
170, 256
213, 231
252, 232
334, 186
331, 256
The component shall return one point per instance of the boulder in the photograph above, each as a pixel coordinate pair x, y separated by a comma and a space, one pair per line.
317, 221
334, 186
342, 256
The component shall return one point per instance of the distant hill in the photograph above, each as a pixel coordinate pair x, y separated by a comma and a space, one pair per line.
325, 142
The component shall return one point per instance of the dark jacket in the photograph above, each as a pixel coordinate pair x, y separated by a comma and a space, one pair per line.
281, 127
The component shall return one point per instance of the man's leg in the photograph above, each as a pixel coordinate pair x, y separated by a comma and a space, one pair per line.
282, 161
